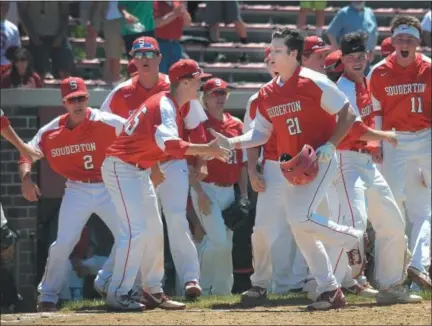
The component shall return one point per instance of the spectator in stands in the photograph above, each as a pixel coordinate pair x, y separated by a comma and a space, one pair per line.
46, 23
90, 17
106, 14
352, 18
21, 73
137, 21
170, 18
426, 28
9, 36
227, 12
305, 8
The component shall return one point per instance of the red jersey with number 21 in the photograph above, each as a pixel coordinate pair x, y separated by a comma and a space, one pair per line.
301, 111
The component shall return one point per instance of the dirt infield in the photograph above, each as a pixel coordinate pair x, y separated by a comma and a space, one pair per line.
355, 314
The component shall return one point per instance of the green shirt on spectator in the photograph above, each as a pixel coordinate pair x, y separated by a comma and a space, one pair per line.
143, 10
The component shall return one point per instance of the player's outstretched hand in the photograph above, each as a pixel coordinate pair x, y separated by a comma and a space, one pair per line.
30, 152
392, 138
218, 151
222, 140
257, 181
30, 190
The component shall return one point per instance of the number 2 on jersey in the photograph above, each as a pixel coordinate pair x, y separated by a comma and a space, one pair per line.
293, 126
416, 104
132, 124
88, 162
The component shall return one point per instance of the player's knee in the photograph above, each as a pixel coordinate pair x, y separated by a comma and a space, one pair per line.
263, 237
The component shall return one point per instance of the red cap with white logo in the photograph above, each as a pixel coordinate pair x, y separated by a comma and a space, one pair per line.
186, 68
314, 44
214, 84
73, 87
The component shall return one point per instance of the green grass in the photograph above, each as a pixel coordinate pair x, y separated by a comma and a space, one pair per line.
227, 302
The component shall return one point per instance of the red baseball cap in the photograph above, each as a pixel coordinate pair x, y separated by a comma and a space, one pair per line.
314, 44
131, 68
73, 87
333, 62
214, 84
267, 54
186, 68
387, 47
144, 44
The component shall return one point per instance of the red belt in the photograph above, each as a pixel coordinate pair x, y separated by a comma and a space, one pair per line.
361, 150
222, 184
89, 181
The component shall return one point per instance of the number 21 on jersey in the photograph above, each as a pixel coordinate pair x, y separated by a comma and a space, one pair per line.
293, 126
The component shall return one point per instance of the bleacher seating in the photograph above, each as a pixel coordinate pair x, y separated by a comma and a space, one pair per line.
261, 19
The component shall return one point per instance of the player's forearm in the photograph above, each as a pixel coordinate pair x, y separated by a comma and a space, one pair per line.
346, 118
333, 41
374, 135
11, 136
24, 170
253, 156
243, 182
252, 138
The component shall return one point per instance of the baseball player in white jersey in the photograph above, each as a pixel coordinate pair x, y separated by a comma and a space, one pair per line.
123, 100
358, 179
401, 93
74, 145
151, 134
300, 107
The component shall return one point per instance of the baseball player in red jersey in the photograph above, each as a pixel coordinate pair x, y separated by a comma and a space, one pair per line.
9, 133
74, 145
216, 192
150, 134
300, 107
266, 183
123, 101
401, 93
359, 179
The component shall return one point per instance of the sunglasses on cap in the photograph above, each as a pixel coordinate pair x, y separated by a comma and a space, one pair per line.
219, 92
147, 55
77, 99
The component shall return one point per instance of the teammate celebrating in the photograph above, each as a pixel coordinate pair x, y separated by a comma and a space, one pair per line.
215, 193
358, 178
150, 134
401, 93
314, 53
74, 145
124, 100
300, 106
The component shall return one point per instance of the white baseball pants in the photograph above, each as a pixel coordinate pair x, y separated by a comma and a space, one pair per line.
80, 201
215, 250
308, 228
139, 230
173, 193
359, 180
418, 204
